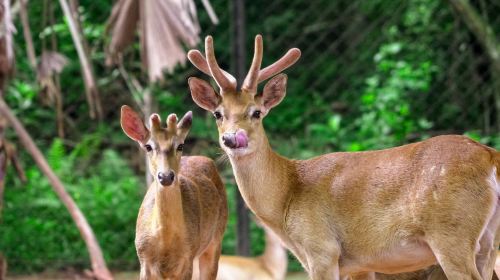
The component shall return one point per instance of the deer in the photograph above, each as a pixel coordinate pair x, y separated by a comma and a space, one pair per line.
345, 213
271, 265
184, 212
433, 272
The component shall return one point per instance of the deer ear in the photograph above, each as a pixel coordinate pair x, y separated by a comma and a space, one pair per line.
133, 125
203, 94
184, 124
274, 91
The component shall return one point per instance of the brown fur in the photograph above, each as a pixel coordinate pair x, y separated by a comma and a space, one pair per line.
183, 221
271, 265
433, 272
388, 211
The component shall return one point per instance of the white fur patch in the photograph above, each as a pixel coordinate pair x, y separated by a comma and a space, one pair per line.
443, 171
493, 180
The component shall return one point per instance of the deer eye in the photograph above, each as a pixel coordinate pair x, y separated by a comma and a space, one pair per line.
148, 147
180, 147
217, 115
256, 114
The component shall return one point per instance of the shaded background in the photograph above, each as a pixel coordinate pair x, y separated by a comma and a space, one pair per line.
373, 74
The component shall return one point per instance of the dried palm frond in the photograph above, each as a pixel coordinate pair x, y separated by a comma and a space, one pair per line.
6, 50
165, 27
50, 64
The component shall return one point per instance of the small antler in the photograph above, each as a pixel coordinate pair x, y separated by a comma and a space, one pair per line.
283, 63
251, 79
209, 66
256, 75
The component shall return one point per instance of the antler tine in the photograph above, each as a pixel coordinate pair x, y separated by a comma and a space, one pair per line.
251, 80
199, 61
217, 73
283, 63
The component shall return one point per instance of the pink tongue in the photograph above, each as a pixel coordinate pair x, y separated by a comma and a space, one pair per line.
241, 139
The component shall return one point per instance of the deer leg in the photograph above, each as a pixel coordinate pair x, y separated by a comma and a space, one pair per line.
323, 266
486, 257
325, 272
489, 241
144, 275
209, 260
188, 274
456, 258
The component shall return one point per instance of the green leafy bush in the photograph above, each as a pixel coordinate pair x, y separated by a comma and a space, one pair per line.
37, 231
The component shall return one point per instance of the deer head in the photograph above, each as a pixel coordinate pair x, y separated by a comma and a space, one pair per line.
239, 113
163, 145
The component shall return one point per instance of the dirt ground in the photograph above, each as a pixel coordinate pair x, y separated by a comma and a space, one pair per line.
118, 276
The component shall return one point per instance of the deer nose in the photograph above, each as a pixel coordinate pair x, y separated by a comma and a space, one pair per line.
166, 179
235, 140
229, 140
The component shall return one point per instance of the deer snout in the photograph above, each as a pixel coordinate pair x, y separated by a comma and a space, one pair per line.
166, 178
235, 140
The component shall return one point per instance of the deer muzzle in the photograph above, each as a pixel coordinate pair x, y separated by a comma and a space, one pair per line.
235, 140
166, 178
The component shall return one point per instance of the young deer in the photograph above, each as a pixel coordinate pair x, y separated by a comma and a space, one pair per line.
387, 211
184, 213
271, 265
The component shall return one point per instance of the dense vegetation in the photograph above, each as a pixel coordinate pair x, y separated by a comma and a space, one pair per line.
368, 79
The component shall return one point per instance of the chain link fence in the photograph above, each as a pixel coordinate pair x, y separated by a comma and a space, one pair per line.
351, 47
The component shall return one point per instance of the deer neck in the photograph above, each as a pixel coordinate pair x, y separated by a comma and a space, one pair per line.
264, 179
168, 214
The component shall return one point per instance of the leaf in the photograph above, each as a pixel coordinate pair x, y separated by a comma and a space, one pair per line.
165, 27
50, 63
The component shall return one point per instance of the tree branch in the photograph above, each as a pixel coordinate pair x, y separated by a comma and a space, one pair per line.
30, 49
486, 37
480, 28
88, 75
99, 267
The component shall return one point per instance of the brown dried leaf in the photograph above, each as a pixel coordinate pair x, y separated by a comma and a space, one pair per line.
121, 25
166, 27
50, 63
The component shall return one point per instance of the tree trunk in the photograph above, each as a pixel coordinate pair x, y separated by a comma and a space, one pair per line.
486, 37
100, 271
88, 75
239, 55
30, 49
3, 268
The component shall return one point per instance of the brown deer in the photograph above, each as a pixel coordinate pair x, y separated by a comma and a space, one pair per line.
431, 273
271, 265
184, 213
389, 211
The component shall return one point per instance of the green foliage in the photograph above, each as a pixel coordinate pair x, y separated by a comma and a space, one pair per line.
490, 140
385, 117
37, 231
373, 103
